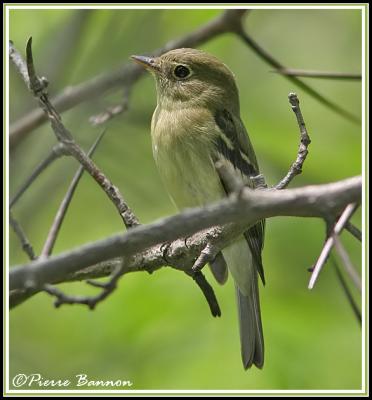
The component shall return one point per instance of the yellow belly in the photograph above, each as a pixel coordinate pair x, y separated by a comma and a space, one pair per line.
189, 176
182, 152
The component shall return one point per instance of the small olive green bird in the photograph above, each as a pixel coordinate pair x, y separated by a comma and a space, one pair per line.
195, 124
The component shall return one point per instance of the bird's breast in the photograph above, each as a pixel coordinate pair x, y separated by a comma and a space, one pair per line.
182, 142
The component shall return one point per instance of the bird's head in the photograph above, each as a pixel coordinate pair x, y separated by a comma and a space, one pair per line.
188, 77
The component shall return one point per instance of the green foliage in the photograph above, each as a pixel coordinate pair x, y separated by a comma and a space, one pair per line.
156, 330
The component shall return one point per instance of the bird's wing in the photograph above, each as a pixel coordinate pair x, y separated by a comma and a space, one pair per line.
234, 145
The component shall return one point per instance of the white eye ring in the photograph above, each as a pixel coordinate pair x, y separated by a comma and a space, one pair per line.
181, 72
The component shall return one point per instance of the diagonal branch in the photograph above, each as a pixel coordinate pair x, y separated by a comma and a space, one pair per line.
26, 245
268, 58
347, 292
37, 87
339, 226
60, 215
356, 232
57, 151
348, 265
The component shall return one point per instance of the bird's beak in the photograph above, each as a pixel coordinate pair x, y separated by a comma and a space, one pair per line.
147, 62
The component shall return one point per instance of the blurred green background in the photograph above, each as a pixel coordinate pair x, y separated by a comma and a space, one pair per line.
157, 330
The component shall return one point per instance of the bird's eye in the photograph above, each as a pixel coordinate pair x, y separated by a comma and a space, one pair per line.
181, 72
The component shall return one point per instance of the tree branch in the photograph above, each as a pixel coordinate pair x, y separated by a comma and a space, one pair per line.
91, 301
318, 74
179, 254
60, 215
246, 209
296, 167
339, 226
57, 151
357, 233
26, 245
348, 265
347, 292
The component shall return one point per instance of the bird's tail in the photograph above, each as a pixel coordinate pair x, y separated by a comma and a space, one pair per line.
251, 336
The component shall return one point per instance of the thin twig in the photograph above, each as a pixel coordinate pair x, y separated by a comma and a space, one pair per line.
348, 265
90, 301
113, 111
347, 291
318, 74
267, 57
26, 245
345, 216
356, 232
296, 167
37, 86
57, 151
60, 215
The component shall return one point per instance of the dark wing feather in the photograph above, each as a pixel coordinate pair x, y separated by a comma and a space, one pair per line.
230, 146
254, 236
234, 145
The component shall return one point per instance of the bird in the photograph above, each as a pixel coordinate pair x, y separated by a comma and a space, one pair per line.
195, 124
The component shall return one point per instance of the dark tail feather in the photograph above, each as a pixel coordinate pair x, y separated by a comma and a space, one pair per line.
251, 337
219, 268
